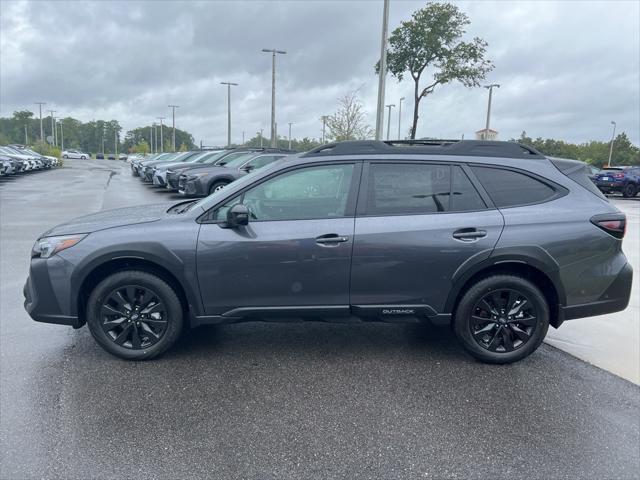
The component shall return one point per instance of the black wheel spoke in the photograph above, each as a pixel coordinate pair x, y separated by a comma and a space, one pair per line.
503, 320
123, 335
133, 317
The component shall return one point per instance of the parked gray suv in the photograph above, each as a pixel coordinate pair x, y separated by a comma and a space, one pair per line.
492, 238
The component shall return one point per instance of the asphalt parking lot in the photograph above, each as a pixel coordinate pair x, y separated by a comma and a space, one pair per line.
275, 401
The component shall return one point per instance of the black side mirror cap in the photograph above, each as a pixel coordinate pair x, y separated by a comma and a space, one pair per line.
237, 216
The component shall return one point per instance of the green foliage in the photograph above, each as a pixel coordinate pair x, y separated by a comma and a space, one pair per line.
348, 122
183, 147
593, 152
142, 147
299, 145
431, 42
44, 148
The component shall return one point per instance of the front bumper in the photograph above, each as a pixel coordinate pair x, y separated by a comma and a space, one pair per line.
47, 299
614, 299
160, 178
172, 180
190, 188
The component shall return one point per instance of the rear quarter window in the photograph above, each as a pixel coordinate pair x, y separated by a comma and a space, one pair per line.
508, 188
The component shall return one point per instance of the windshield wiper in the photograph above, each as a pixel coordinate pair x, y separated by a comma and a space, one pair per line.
184, 208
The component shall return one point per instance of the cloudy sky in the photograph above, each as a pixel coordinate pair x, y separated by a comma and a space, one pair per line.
566, 68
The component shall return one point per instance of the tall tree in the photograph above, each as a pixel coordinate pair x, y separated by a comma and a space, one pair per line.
430, 44
348, 122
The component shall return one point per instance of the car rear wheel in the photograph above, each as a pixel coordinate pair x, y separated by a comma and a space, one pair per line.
134, 315
65, 156
629, 190
217, 186
502, 319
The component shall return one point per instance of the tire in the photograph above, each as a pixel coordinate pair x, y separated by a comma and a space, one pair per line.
218, 186
629, 190
83, 157
139, 333
65, 156
489, 341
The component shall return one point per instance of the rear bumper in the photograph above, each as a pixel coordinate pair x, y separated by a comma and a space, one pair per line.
610, 186
614, 299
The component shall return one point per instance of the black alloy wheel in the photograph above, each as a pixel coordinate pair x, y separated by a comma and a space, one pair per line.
133, 317
503, 320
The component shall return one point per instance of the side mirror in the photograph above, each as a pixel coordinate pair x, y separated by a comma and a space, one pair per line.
248, 168
237, 215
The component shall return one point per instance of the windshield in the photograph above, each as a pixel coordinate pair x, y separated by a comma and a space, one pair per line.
211, 157
237, 159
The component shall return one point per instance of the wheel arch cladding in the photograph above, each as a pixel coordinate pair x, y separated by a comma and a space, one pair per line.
551, 290
109, 267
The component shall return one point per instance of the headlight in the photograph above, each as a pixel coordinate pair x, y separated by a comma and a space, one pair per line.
47, 246
196, 176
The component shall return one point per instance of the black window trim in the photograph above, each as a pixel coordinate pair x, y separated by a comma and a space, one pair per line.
559, 190
351, 199
364, 185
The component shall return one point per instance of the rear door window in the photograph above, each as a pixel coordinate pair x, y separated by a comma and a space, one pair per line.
508, 188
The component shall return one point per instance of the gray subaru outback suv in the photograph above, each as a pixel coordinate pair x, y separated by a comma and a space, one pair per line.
492, 238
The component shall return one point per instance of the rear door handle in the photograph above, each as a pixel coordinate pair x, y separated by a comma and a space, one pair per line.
331, 239
468, 234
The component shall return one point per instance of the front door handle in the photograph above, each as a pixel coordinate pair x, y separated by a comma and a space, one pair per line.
331, 239
468, 234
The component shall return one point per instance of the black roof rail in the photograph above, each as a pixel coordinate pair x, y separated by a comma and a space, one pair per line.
472, 148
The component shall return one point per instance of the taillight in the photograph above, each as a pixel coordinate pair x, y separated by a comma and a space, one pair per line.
614, 224
618, 175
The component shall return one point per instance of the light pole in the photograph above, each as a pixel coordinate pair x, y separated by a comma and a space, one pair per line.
400, 116
611, 146
490, 88
324, 125
243, 137
260, 132
228, 84
173, 124
151, 140
41, 129
290, 123
382, 72
61, 136
26, 138
389, 119
116, 143
273, 52
53, 126
161, 137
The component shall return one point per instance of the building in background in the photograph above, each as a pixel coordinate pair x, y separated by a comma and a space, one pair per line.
486, 134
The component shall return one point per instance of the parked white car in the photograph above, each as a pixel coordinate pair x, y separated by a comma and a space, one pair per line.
75, 154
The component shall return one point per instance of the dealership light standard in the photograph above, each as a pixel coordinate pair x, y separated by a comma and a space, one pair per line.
41, 129
490, 88
382, 71
61, 135
290, 123
229, 84
611, 146
260, 133
173, 120
389, 119
161, 137
273, 52
400, 116
324, 125
53, 126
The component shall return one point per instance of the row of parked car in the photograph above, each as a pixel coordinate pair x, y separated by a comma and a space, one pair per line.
199, 173
16, 159
620, 179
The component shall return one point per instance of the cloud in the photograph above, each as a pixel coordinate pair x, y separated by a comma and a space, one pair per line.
566, 69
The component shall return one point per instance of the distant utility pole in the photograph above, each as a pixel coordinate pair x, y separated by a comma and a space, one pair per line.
290, 123
243, 137
228, 84
611, 146
161, 136
260, 132
382, 72
273, 52
389, 119
400, 117
490, 88
116, 143
173, 118
151, 140
324, 125
26, 138
41, 129
61, 136
53, 126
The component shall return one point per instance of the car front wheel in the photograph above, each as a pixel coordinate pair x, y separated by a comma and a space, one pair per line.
217, 186
65, 156
134, 315
629, 190
502, 319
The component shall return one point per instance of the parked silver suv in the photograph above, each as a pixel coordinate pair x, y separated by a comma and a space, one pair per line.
492, 238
